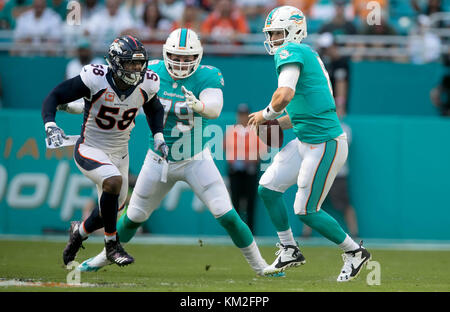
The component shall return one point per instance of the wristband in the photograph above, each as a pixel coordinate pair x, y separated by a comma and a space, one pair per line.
159, 136
269, 113
50, 124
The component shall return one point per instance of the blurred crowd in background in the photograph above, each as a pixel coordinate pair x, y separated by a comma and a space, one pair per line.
418, 30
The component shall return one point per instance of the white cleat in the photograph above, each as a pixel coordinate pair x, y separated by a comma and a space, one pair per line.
354, 261
288, 256
94, 264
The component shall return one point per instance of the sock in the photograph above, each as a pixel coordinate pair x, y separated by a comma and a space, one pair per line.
92, 223
287, 238
108, 207
239, 232
348, 244
110, 236
275, 207
82, 230
254, 258
126, 228
326, 225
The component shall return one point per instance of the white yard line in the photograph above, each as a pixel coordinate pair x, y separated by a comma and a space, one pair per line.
31, 283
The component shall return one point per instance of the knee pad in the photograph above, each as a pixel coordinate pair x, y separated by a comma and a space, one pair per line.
300, 204
140, 208
217, 199
137, 215
219, 206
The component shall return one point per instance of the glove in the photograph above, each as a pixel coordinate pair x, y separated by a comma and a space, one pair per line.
55, 135
160, 145
191, 101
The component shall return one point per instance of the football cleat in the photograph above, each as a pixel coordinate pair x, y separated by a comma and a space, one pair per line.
354, 261
288, 256
95, 263
116, 254
74, 244
278, 274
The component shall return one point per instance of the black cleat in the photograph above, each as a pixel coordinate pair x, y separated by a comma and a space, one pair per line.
116, 254
74, 244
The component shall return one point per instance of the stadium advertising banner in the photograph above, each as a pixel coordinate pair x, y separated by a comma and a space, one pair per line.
397, 189
42, 190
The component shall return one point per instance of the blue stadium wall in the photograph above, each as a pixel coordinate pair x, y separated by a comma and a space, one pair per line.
399, 157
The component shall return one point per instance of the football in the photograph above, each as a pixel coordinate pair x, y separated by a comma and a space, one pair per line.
271, 133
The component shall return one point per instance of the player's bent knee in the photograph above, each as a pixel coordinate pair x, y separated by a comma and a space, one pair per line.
301, 200
219, 207
299, 206
112, 184
137, 215
267, 178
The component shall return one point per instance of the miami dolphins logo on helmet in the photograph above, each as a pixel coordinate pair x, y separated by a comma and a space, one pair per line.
287, 21
297, 18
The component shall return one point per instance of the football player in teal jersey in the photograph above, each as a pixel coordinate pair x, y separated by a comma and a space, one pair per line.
191, 95
313, 159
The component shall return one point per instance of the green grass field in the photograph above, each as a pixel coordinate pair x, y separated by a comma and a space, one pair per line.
208, 268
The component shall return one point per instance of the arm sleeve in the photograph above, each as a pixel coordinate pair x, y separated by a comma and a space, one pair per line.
67, 91
154, 112
289, 76
212, 98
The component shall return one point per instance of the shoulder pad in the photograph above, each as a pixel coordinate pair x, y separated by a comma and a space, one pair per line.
93, 76
209, 77
151, 82
153, 62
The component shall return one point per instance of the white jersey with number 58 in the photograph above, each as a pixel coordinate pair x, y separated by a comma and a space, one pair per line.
109, 113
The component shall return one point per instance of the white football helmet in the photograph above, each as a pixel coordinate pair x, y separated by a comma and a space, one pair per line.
288, 19
182, 41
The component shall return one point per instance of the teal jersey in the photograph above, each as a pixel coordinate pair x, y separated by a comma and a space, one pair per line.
183, 129
312, 110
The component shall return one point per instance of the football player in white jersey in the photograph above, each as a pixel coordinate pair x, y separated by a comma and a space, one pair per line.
113, 95
188, 90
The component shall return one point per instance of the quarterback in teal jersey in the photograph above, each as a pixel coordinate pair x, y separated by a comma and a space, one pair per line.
313, 159
190, 94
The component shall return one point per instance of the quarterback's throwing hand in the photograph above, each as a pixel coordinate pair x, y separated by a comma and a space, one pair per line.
55, 135
195, 104
255, 119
